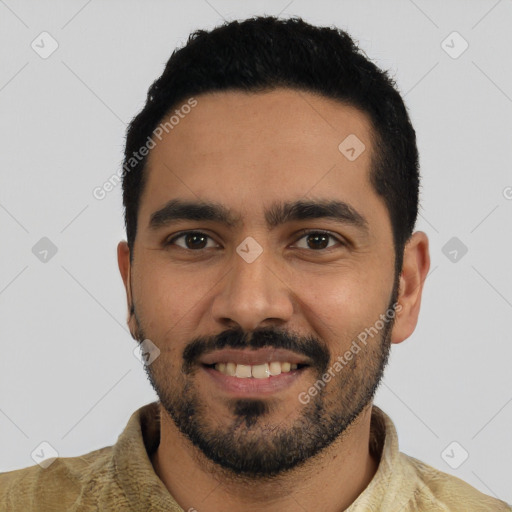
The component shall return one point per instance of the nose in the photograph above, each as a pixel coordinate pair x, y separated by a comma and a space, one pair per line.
253, 295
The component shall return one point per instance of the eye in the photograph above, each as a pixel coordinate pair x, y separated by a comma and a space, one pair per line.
194, 240
318, 240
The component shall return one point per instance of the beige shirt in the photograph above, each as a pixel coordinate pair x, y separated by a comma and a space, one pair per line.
121, 478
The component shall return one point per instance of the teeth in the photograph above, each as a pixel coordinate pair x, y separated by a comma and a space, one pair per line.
257, 371
275, 368
243, 371
260, 371
230, 369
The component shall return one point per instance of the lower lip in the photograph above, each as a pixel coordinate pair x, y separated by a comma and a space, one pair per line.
250, 385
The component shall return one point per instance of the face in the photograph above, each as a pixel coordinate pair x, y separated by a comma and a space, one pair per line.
262, 258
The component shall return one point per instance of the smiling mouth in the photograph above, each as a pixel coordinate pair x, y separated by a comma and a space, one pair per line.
255, 371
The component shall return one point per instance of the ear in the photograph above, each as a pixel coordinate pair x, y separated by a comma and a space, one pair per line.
416, 264
123, 261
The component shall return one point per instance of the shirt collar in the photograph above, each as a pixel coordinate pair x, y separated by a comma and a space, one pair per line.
395, 482
134, 471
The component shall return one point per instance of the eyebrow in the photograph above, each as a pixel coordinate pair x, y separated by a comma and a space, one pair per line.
278, 213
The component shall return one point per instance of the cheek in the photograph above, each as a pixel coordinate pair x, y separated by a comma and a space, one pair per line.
153, 294
340, 305
169, 298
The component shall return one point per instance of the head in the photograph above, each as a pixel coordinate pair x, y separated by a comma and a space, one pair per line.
271, 190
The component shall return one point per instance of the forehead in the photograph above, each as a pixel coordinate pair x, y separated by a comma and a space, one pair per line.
246, 149
277, 120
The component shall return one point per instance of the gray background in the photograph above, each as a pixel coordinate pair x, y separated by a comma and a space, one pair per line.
68, 374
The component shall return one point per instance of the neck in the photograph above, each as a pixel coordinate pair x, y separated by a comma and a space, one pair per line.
331, 481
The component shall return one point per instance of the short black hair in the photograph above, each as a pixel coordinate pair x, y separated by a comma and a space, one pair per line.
264, 53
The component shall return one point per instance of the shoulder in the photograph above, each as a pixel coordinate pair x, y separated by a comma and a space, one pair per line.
437, 490
56, 487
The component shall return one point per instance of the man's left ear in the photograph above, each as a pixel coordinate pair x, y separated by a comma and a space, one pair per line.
415, 268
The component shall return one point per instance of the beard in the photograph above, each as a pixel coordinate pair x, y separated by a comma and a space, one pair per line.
247, 444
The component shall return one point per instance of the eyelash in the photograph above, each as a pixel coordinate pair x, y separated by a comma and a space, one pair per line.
303, 233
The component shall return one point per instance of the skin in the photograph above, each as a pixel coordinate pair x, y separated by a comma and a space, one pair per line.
247, 151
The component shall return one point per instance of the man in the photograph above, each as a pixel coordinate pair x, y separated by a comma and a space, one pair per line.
271, 191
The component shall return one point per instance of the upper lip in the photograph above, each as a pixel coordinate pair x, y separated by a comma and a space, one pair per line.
253, 357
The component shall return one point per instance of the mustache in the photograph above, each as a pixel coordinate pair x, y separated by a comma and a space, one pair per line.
309, 346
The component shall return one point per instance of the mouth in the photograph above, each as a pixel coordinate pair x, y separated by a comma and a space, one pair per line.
252, 373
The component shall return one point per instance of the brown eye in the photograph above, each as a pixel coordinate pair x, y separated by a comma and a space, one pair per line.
318, 240
192, 240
